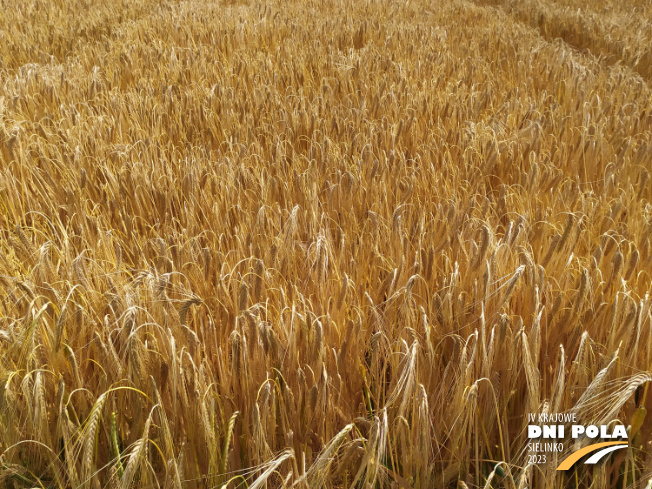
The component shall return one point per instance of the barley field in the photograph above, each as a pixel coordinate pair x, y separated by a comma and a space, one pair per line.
322, 243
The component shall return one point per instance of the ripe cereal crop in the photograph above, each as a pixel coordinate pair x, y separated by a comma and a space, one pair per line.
323, 243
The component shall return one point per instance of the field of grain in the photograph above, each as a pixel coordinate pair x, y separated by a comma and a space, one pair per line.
322, 243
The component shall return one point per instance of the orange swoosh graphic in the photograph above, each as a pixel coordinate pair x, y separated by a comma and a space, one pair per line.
574, 457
